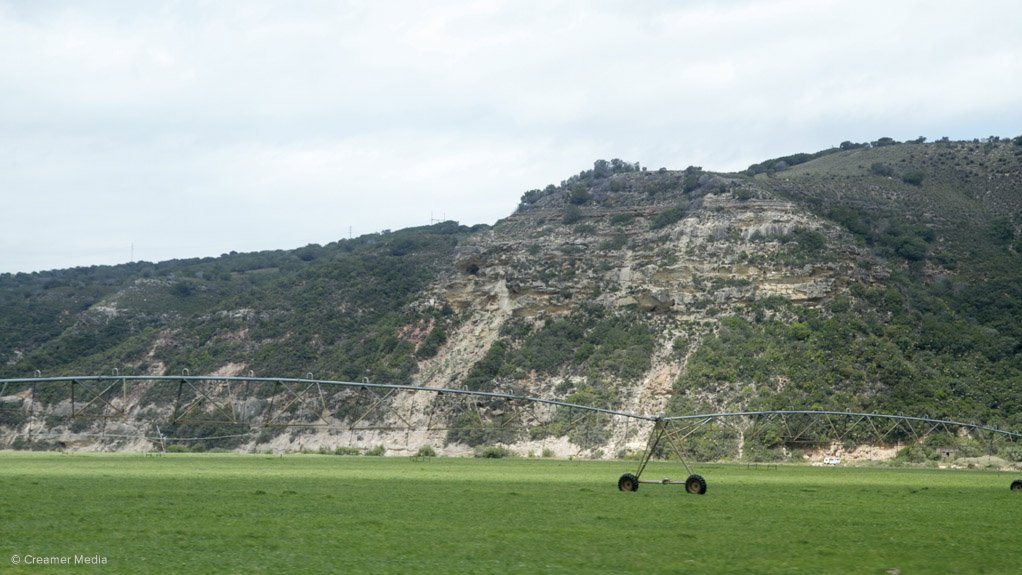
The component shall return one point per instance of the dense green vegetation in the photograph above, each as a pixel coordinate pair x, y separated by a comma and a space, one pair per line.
310, 513
925, 317
873, 353
602, 347
942, 336
339, 311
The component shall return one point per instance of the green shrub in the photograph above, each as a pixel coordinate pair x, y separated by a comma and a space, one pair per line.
571, 215
668, 217
432, 343
882, 169
579, 195
622, 219
744, 194
13, 417
493, 452
914, 454
80, 424
1011, 453
377, 451
914, 178
346, 451
426, 451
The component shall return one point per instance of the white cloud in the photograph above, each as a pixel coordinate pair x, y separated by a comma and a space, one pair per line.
199, 128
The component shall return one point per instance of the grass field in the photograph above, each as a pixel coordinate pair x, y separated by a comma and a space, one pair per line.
192, 513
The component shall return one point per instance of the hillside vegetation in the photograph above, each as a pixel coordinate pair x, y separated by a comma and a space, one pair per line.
882, 277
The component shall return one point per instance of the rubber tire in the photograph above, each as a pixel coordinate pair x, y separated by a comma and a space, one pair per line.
1016, 485
696, 485
628, 482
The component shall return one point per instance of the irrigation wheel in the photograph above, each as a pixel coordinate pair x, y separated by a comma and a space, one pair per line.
695, 484
628, 482
1016, 485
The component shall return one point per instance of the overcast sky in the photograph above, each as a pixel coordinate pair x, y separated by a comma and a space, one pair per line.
161, 130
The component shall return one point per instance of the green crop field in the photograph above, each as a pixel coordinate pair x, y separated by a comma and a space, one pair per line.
189, 513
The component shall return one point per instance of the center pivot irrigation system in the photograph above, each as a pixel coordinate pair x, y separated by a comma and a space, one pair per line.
630, 481
251, 405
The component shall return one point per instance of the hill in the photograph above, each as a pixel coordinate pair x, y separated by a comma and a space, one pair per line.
883, 277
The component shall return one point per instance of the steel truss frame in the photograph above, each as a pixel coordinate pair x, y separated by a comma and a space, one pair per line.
309, 402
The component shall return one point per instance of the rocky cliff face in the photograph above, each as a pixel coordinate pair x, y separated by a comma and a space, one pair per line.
827, 284
638, 244
728, 245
